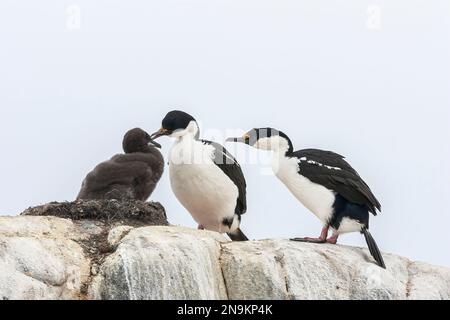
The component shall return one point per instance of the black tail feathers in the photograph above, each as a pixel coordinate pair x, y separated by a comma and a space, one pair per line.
237, 235
373, 248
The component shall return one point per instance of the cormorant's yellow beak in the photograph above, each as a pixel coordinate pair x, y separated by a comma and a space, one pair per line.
161, 132
244, 139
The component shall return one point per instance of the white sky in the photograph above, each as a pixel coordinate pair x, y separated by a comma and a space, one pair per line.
331, 74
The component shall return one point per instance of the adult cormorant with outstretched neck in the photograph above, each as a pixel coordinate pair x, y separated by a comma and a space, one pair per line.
324, 183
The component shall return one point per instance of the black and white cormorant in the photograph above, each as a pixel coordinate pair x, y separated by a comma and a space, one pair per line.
324, 183
129, 176
204, 177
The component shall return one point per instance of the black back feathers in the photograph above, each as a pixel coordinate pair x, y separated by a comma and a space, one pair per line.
330, 170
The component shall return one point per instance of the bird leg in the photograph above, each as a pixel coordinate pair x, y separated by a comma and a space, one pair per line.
321, 239
332, 239
200, 227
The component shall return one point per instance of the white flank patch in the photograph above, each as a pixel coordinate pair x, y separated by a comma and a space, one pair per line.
349, 225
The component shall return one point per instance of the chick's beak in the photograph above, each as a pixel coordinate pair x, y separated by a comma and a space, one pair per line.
155, 144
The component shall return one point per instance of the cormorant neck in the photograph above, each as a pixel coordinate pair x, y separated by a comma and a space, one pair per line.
192, 132
283, 147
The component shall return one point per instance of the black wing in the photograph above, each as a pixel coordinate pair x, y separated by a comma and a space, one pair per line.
333, 172
228, 164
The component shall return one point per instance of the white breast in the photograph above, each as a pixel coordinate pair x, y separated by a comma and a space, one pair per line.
200, 186
318, 199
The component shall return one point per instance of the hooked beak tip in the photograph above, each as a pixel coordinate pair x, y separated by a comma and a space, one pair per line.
161, 132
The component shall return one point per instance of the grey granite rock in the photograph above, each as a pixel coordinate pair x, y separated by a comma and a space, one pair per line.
52, 258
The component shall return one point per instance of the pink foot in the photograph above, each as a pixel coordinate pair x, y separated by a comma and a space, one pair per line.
321, 239
308, 239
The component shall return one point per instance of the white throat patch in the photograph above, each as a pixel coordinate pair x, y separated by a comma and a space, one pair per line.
275, 143
192, 130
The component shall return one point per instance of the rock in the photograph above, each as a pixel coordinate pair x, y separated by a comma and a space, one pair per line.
38, 261
53, 258
116, 235
163, 263
46, 257
428, 282
283, 269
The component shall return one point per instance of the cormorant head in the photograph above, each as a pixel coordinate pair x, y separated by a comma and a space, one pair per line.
177, 124
266, 139
137, 140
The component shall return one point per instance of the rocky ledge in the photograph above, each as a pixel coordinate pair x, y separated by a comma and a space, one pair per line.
49, 257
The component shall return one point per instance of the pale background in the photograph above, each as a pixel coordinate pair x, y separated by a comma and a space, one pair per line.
368, 79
